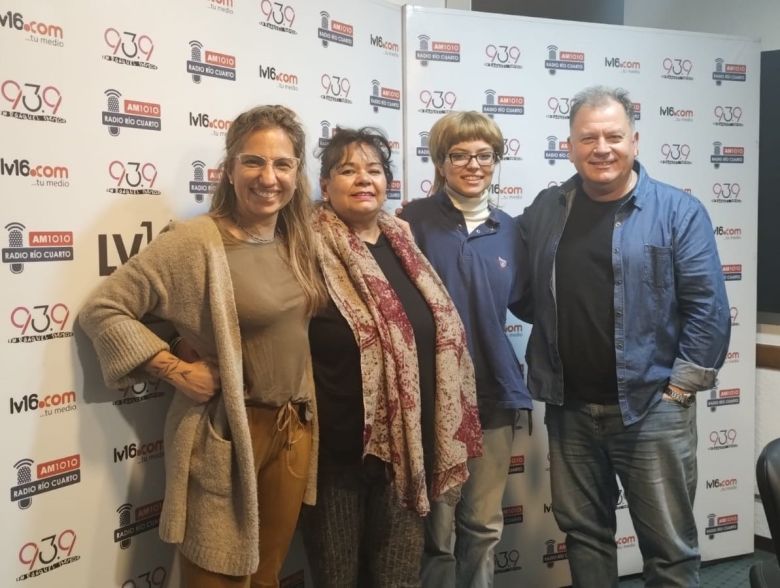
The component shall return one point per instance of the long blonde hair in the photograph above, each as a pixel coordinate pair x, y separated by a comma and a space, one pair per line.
294, 221
456, 127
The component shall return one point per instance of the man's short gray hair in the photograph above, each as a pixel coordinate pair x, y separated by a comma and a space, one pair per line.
595, 96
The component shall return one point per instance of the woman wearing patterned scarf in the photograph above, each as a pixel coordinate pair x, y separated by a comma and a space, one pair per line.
393, 378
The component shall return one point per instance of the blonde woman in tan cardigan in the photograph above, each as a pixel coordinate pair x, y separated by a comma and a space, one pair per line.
239, 284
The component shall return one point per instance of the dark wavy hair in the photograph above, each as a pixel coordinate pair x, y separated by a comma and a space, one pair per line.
333, 153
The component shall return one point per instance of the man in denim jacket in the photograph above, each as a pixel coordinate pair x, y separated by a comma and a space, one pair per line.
630, 319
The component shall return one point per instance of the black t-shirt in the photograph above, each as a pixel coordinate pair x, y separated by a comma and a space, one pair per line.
337, 376
584, 288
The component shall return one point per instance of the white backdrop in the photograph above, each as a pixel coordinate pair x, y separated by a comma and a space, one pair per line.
112, 120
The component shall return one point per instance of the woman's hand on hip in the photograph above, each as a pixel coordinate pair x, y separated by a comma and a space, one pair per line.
198, 380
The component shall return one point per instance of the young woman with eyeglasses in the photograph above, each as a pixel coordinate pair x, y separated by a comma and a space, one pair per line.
239, 284
475, 248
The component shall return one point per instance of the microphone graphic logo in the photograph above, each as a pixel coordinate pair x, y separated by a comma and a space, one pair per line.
15, 241
423, 47
325, 17
490, 97
125, 518
195, 47
375, 92
24, 476
198, 167
113, 106
423, 149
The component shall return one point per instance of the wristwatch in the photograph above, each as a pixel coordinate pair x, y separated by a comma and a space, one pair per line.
685, 400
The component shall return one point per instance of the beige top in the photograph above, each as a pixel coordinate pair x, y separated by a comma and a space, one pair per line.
274, 326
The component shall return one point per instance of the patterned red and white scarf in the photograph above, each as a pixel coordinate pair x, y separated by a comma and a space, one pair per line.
388, 357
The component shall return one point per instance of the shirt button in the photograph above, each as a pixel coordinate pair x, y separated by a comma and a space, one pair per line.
617, 224
619, 345
617, 250
618, 282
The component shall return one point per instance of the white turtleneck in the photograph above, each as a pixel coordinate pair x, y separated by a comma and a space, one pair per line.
475, 210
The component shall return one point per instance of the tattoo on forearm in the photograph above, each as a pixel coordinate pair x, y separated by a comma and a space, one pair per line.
172, 369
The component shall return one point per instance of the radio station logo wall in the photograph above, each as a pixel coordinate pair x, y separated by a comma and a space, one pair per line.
209, 63
394, 190
727, 116
278, 16
281, 79
626, 541
31, 101
48, 476
726, 154
204, 180
437, 101
623, 64
132, 114
129, 48
36, 31
118, 248
502, 104
721, 484
721, 397
134, 521
513, 514
556, 150
33, 323
382, 97
42, 246
677, 68
326, 132
148, 578
391, 48
427, 51
511, 149
637, 108
140, 392
554, 551
44, 405
47, 554
132, 178
717, 524
503, 56
726, 193
335, 88
729, 72
732, 271
727, 233
517, 464
563, 60
44, 175
334, 31
504, 193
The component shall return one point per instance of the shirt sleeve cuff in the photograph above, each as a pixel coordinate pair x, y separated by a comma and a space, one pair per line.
692, 377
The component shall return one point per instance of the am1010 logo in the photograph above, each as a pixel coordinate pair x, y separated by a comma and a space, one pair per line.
47, 554
50, 475
132, 522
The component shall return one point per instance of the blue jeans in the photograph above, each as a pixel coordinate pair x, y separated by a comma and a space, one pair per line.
656, 462
478, 519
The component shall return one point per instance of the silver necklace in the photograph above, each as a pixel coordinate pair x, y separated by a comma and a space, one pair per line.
254, 237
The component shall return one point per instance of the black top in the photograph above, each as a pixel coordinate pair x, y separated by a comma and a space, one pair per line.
337, 376
584, 287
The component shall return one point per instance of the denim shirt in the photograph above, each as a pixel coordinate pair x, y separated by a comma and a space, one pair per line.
672, 322
482, 273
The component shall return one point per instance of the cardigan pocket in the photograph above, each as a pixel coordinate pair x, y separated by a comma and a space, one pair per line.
212, 459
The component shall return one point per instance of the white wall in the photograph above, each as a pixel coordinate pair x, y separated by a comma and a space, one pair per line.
754, 19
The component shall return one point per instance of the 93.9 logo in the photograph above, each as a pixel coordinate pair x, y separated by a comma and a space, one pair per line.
507, 561
149, 579
723, 438
41, 322
130, 45
335, 88
133, 177
281, 15
726, 191
502, 55
511, 149
48, 553
677, 68
559, 107
29, 101
728, 116
437, 100
675, 153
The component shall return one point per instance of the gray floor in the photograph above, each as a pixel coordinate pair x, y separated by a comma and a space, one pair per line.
729, 573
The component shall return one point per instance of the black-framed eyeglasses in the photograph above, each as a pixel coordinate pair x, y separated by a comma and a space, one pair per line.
484, 158
280, 165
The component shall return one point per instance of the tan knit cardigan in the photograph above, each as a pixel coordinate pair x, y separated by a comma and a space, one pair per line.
210, 506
